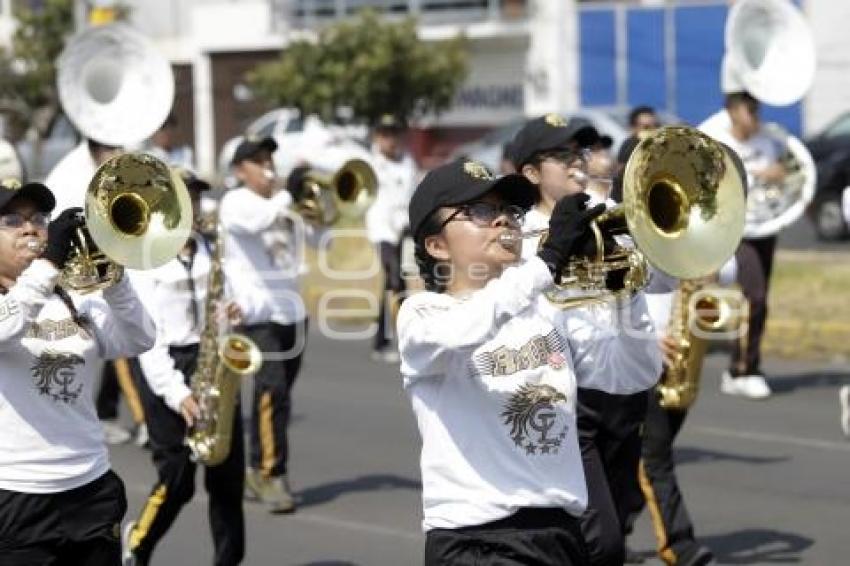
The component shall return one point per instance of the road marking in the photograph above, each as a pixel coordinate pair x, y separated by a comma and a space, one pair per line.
326, 521
201, 500
773, 438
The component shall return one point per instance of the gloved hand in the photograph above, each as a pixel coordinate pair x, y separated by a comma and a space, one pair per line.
569, 232
60, 233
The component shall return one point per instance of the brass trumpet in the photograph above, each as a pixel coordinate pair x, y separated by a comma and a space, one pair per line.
137, 215
683, 206
326, 196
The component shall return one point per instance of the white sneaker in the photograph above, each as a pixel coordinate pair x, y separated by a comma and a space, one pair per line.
114, 432
751, 386
844, 399
127, 556
141, 437
386, 355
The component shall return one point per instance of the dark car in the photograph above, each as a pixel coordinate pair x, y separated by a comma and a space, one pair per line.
831, 152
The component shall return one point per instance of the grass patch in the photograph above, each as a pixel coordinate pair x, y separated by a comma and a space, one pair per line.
809, 309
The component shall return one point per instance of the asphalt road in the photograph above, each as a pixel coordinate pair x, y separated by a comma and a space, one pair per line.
766, 482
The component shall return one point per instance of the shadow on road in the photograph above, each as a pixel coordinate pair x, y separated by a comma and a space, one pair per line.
830, 379
757, 546
691, 455
375, 482
329, 563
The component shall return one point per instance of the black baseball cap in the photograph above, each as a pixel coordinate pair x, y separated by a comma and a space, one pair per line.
389, 123
251, 146
36, 192
461, 181
191, 179
551, 131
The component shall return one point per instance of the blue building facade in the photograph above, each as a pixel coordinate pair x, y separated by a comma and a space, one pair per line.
668, 57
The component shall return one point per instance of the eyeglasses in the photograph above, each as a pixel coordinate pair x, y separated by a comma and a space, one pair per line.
484, 213
569, 158
14, 220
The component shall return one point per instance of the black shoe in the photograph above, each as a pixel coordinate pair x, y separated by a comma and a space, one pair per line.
633, 557
700, 556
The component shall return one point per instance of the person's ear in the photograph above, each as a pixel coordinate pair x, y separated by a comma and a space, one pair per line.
239, 172
437, 247
531, 173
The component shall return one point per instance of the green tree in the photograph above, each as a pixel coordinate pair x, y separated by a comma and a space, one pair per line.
367, 64
28, 72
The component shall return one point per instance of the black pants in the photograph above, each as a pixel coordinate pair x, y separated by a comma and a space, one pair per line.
529, 537
673, 528
283, 348
176, 477
609, 429
109, 393
79, 526
755, 264
394, 287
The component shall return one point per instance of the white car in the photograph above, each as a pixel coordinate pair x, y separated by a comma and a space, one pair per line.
297, 138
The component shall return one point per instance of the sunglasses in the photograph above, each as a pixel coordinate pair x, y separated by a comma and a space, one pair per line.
483, 214
14, 220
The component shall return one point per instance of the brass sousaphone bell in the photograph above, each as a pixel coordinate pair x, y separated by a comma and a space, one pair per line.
683, 206
137, 215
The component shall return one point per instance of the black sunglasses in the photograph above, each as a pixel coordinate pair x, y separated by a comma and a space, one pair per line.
485, 213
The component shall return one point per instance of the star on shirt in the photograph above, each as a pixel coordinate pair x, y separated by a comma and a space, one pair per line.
530, 448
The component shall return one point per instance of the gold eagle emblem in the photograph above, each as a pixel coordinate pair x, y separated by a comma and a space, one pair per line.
477, 170
555, 120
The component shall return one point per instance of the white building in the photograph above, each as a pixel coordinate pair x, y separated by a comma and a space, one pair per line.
527, 57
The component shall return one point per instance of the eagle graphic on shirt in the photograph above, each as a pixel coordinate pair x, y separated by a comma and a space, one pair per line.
55, 375
536, 426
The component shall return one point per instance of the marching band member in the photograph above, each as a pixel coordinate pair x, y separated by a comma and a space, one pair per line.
177, 293
739, 127
548, 151
386, 223
162, 146
69, 180
59, 500
674, 530
263, 252
491, 368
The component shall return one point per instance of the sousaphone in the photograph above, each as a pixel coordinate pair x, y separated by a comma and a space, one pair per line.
114, 86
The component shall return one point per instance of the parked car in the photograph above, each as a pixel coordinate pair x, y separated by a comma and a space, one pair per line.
831, 152
609, 121
296, 137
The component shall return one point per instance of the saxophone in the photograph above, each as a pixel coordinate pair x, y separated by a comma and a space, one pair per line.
699, 311
223, 360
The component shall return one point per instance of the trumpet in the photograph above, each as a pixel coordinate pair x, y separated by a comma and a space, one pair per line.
683, 208
137, 215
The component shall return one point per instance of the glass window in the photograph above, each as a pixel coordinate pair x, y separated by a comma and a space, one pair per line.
840, 127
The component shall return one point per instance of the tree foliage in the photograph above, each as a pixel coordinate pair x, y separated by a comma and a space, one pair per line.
369, 65
28, 72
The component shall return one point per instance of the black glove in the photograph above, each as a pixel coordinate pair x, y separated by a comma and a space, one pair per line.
569, 232
60, 232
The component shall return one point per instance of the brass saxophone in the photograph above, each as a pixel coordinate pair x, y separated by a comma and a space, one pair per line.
699, 311
223, 360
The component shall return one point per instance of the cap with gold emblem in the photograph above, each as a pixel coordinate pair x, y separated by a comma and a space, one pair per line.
462, 181
36, 192
551, 131
389, 123
252, 145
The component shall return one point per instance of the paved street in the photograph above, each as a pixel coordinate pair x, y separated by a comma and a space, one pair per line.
766, 482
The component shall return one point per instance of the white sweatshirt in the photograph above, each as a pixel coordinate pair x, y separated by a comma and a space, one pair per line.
69, 179
387, 218
264, 251
169, 297
492, 378
50, 437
